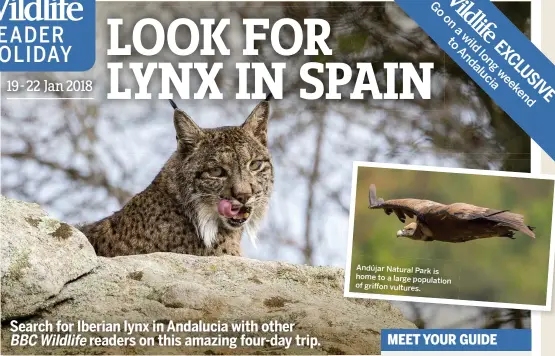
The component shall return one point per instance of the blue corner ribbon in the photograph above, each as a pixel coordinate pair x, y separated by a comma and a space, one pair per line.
497, 56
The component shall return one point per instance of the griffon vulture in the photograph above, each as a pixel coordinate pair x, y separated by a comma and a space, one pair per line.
457, 222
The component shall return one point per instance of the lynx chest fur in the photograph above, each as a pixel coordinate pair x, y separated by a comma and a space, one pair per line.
214, 187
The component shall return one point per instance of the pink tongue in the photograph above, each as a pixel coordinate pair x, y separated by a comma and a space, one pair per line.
226, 209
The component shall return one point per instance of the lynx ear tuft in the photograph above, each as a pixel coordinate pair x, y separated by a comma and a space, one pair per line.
257, 122
188, 133
173, 104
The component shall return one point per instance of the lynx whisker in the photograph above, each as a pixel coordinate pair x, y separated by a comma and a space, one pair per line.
250, 230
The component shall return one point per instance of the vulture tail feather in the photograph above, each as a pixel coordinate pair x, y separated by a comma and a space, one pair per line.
515, 221
526, 230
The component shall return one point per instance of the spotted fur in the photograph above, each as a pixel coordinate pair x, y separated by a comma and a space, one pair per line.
178, 212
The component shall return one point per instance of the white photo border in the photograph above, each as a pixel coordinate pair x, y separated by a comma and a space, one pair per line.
349, 294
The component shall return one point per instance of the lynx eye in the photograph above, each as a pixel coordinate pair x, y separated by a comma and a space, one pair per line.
216, 172
255, 165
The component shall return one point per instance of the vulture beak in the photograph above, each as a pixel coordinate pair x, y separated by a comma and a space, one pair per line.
399, 233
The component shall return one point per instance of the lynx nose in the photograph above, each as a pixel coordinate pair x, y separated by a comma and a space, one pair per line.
242, 194
242, 197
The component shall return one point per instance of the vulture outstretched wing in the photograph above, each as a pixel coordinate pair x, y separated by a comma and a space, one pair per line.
457, 222
514, 221
402, 207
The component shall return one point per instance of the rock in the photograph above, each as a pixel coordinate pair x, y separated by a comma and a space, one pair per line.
171, 288
39, 255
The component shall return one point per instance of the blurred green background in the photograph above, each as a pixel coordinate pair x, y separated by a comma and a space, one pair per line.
494, 270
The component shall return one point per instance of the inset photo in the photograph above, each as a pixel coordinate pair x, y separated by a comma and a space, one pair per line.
450, 236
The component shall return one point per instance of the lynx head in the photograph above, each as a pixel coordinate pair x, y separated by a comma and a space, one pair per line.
224, 176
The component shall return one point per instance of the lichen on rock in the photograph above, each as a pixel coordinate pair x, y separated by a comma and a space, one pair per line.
46, 278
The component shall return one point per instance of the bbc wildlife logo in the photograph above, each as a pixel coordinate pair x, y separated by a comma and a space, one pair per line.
47, 35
